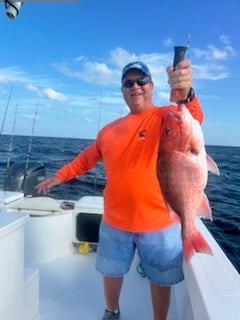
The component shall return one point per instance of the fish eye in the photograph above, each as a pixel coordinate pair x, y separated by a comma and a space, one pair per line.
194, 151
168, 130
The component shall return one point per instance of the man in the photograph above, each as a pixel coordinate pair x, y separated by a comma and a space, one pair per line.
135, 215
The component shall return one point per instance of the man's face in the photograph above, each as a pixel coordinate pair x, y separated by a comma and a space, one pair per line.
138, 96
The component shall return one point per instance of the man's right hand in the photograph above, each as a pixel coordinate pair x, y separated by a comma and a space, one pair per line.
45, 185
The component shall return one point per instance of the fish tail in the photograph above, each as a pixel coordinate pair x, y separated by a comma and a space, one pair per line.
196, 243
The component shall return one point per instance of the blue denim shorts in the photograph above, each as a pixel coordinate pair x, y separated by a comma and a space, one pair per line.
160, 253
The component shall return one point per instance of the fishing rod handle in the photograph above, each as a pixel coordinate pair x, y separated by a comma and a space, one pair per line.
179, 55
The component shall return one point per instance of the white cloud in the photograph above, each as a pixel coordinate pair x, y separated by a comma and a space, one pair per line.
210, 71
209, 63
17, 75
47, 93
119, 57
212, 63
163, 95
108, 73
80, 58
31, 87
217, 53
211, 53
3, 78
54, 95
214, 52
68, 71
12, 74
98, 73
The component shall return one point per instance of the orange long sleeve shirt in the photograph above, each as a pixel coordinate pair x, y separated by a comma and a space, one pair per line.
128, 147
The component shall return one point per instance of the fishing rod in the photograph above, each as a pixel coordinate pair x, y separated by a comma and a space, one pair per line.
30, 146
11, 144
6, 110
31, 139
180, 54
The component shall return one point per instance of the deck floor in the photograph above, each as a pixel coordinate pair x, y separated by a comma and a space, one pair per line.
71, 288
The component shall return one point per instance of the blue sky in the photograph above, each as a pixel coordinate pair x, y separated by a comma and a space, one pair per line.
61, 62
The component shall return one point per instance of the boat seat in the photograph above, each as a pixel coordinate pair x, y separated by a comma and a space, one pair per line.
38, 206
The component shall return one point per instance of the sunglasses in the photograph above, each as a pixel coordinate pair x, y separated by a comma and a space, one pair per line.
129, 83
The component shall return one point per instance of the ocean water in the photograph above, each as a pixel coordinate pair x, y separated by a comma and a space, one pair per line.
223, 191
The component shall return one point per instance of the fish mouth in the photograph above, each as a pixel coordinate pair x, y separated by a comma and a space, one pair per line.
175, 120
175, 115
178, 113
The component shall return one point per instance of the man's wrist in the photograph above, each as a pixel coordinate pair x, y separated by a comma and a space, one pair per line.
190, 96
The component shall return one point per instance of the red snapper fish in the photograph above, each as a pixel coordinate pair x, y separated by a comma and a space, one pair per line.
182, 169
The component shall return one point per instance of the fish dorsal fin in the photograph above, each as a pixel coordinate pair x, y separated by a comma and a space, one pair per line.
212, 166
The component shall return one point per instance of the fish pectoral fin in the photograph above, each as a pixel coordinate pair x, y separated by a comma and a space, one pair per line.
204, 209
196, 243
212, 166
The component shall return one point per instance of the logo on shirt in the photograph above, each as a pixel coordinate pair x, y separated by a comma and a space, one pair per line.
142, 134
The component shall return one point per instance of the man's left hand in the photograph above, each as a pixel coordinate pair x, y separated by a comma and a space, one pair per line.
181, 77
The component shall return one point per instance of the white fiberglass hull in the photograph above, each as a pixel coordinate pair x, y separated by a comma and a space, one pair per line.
45, 277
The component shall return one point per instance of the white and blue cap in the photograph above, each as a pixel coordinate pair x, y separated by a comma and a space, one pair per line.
137, 65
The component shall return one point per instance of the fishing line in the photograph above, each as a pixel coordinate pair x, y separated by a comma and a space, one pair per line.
188, 45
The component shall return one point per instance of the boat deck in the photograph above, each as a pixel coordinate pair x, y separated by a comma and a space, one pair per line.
71, 288
38, 239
